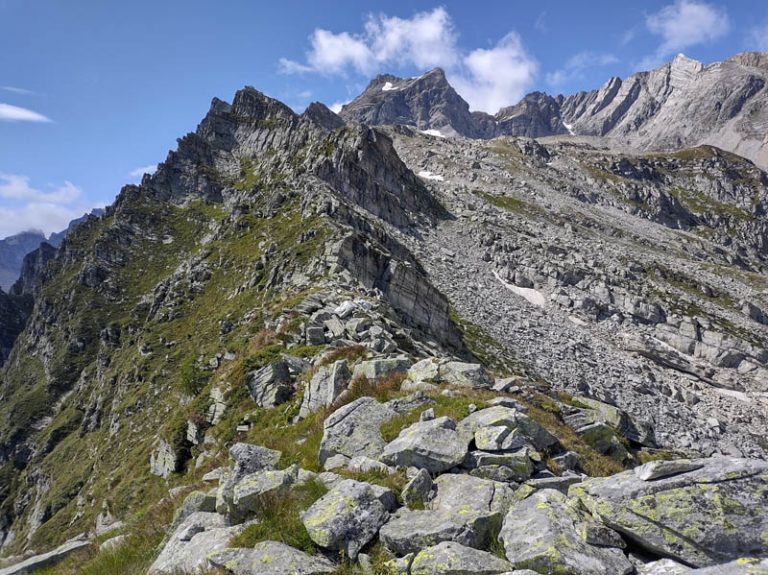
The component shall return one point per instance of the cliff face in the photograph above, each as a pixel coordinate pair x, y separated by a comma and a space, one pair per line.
680, 104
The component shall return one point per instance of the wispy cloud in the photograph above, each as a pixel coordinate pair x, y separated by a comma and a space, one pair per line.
24, 207
576, 65
139, 172
758, 38
337, 106
14, 187
683, 24
9, 113
488, 78
16, 90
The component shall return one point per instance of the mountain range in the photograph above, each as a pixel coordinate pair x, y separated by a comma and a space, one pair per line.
681, 104
408, 338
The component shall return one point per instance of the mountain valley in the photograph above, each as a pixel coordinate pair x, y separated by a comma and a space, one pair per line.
408, 339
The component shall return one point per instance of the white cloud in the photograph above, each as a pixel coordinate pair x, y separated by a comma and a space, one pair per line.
9, 113
47, 218
759, 38
139, 172
495, 77
23, 207
337, 106
684, 24
16, 90
13, 187
488, 78
574, 67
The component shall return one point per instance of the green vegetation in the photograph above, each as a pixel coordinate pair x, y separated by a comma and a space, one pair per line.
700, 203
279, 518
508, 203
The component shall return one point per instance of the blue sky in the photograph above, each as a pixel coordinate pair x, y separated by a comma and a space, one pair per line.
91, 91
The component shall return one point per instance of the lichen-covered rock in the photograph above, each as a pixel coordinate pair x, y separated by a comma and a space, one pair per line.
450, 558
501, 416
348, 516
187, 550
271, 558
354, 429
514, 466
626, 425
195, 501
544, 533
739, 567
434, 371
247, 492
248, 459
466, 509
709, 515
433, 445
325, 387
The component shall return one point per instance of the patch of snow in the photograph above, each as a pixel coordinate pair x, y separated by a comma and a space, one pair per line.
427, 175
533, 296
388, 87
435, 133
569, 127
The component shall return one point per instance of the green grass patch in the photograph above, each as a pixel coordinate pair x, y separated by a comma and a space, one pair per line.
279, 518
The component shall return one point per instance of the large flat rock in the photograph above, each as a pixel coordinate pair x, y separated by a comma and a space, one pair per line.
714, 513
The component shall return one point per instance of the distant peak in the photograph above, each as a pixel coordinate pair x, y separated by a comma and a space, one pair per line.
681, 60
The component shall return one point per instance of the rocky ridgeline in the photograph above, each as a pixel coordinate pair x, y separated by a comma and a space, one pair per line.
680, 104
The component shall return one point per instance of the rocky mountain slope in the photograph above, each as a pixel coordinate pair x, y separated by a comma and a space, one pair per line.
681, 104
12, 252
14, 248
305, 346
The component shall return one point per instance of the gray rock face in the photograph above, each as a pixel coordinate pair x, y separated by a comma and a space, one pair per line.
271, 558
427, 102
353, 429
249, 459
194, 502
435, 371
325, 387
187, 550
711, 514
450, 558
270, 385
418, 489
497, 417
247, 492
544, 533
466, 509
433, 445
164, 460
38, 562
379, 368
348, 516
